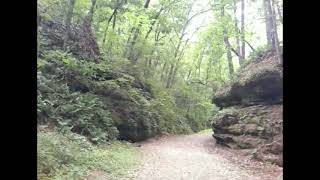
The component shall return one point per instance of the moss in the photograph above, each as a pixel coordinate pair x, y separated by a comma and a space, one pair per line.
235, 129
253, 120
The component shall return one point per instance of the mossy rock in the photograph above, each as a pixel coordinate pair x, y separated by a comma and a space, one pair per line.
254, 120
259, 83
247, 142
235, 129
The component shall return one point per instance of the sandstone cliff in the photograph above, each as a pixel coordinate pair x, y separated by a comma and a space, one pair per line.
251, 117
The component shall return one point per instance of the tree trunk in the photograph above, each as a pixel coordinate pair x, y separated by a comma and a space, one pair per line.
163, 71
268, 19
169, 76
178, 61
153, 22
279, 13
90, 14
68, 22
200, 61
243, 46
114, 19
209, 67
146, 5
250, 45
271, 28
227, 45
136, 30
237, 31
275, 33
189, 73
229, 56
88, 42
174, 74
107, 27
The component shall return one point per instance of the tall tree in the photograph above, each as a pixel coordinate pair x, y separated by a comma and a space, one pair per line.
243, 46
271, 27
279, 11
237, 30
68, 21
135, 31
92, 8
178, 55
268, 20
227, 43
275, 44
118, 4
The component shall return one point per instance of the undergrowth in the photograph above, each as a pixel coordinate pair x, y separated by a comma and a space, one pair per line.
71, 156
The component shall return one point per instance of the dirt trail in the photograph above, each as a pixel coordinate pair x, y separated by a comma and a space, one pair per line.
197, 157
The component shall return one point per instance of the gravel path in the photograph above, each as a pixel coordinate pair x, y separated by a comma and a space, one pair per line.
197, 157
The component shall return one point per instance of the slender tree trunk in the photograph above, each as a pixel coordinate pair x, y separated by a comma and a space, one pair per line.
114, 19
229, 56
237, 31
107, 27
279, 12
136, 30
275, 33
189, 73
271, 27
227, 45
90, 14
146, 4
170, 76
243, 46
200, 61
153, 22
178, 57
267, 13
174, 74
68, 22
209, 67
250, 45
178, 54
163, 71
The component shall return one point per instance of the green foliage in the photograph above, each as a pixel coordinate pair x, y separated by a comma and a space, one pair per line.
73, 99
260, 51
71, 156
84, 113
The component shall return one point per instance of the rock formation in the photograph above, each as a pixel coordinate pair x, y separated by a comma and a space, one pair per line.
251, 117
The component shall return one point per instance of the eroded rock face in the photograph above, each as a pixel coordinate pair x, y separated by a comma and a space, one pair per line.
258, 83
252, 115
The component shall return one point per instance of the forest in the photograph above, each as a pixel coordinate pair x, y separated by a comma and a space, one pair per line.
114, 73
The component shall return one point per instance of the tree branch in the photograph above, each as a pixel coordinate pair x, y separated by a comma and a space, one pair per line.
250, 45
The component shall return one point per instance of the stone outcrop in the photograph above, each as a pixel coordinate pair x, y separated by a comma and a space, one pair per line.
251, 117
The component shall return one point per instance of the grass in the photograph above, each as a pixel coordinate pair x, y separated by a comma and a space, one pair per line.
72, 157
